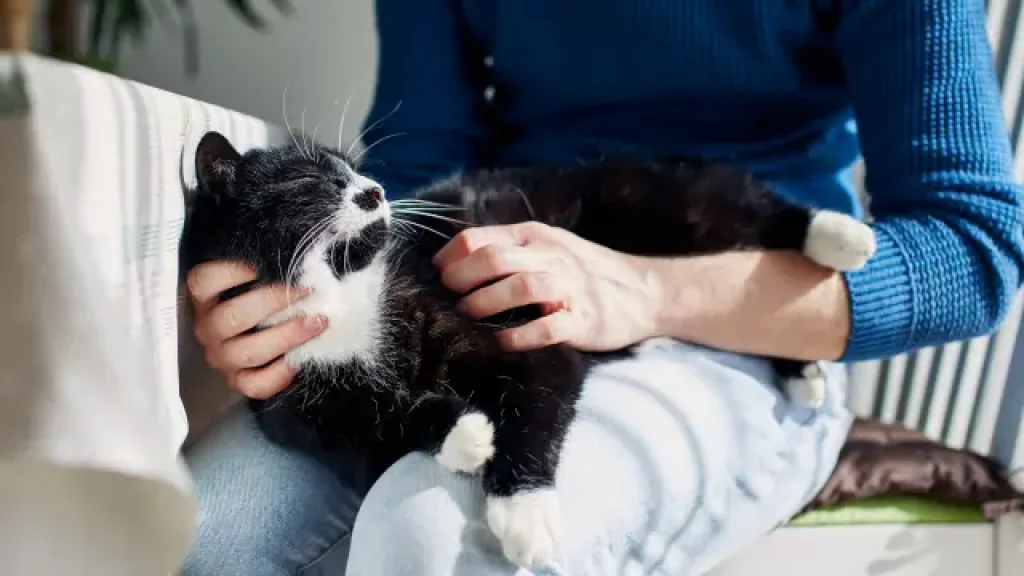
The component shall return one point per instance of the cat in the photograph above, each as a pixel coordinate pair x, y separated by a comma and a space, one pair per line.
397, 369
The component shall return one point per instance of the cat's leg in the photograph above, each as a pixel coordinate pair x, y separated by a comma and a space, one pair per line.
802, 382
770, 222
838, 241
522, 508
460, 437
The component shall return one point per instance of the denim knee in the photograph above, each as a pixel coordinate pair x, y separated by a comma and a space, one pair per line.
264, 510
419, 518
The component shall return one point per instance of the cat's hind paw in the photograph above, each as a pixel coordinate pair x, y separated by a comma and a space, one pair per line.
528, 525
468, 445
809, 390
838, 241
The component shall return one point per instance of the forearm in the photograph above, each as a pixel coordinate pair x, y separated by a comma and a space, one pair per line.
766, 303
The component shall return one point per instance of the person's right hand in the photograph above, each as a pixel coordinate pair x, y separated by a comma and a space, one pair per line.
253, 364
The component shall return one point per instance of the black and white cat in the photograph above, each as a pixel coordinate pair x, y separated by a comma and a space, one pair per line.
397, 369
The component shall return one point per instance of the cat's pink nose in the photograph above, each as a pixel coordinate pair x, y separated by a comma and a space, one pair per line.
376, 193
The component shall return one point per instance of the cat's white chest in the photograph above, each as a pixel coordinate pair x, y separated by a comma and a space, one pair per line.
351, 305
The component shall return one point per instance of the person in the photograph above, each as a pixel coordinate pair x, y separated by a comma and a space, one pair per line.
686, 454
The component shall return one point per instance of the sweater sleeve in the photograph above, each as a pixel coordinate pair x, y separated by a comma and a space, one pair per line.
939, 172
426, 119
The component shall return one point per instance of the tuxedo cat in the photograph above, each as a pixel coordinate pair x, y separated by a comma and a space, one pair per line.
397, 369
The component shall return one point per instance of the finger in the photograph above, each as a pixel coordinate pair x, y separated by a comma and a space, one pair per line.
254, 350
512, 292
472, 239
493, 262
262, 383
245, 311
207, 280
551, 329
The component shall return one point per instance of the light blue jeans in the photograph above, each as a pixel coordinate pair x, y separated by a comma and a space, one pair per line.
680, 458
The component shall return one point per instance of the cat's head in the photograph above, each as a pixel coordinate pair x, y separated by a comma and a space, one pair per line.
284, 210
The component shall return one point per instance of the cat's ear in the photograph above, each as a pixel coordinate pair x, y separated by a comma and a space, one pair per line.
216, 162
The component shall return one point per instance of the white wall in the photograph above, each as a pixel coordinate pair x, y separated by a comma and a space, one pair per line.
327, 48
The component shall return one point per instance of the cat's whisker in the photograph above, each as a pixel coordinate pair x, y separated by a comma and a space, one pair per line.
367, 149
371, 127
302, 131
305, 243
334, 248
308, 239
423, 227
424, 204
312, 143
404, 227
402, 234
526, 201
284, 113
345, 263
431, 215
341, 123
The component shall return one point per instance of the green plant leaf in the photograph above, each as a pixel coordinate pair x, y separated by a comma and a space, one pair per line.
113, 21
283, 6
244, 9
190, 34
97, 26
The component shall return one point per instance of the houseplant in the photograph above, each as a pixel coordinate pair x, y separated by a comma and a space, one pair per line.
111, 22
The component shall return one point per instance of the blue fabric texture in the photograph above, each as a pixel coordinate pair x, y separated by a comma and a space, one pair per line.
268, 511
796, 91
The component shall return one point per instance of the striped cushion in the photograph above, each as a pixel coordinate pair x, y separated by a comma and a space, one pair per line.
971, 393
91, 210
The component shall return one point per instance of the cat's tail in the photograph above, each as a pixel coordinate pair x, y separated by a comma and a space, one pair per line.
838, 241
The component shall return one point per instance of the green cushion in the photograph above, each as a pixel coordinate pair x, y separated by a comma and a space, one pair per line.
890, 511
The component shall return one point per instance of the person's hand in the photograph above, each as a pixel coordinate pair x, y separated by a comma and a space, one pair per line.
592, 298
251, 363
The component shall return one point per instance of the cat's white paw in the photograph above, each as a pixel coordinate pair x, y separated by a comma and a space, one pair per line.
839, 241
468, 445
1016, 479
808, 391
528, 525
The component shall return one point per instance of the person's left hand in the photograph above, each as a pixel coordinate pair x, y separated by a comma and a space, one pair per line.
592, 298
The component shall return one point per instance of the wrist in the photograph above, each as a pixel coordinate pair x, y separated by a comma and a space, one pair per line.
671, 303
744, 301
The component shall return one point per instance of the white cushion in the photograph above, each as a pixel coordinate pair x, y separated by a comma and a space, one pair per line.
92, 341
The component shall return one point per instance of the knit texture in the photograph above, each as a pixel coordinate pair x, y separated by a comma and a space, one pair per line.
794, 90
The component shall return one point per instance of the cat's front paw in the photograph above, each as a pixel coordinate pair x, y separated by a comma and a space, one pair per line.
809, 390
528, 525
468, 445
839, 241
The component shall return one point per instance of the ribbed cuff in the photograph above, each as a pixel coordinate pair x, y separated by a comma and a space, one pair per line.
881, 303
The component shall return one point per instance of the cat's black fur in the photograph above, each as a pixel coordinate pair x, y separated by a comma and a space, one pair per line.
433, 365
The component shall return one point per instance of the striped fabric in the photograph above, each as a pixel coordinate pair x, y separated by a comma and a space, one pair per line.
967, 394
92, 342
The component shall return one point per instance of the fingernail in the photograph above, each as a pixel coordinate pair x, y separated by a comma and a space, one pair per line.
314, 323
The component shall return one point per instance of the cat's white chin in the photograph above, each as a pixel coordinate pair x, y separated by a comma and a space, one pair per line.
351, 304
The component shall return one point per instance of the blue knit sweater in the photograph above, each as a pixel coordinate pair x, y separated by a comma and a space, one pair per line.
794, 90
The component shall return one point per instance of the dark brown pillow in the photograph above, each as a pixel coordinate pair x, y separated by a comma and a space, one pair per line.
889, 460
